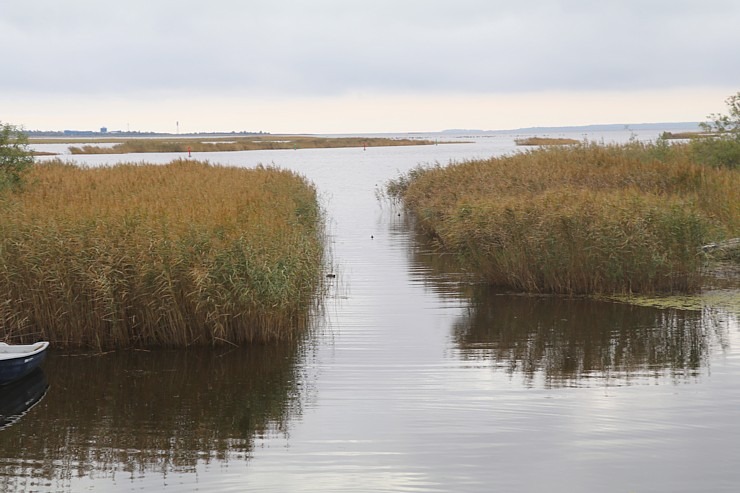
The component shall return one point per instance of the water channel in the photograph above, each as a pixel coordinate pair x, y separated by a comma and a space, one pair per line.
413, 379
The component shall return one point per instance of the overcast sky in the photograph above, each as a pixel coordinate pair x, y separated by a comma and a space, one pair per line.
363, 66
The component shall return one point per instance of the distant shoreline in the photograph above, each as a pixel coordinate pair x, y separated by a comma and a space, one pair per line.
221, 144
86, 135
606, 127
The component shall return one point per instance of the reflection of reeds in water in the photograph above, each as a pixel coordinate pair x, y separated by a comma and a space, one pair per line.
431, 265
568, 340
151, 413
565, 341
18, 397
173, 255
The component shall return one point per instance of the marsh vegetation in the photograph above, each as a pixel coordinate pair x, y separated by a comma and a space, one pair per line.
405, 357
138, 255
584, 219
544, 141
250, 143
682, 135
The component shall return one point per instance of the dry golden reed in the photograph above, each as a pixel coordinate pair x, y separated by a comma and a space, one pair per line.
584, 219
139, 255
544, 141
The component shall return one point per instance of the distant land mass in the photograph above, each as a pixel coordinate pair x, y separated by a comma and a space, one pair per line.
133, 134
608, 127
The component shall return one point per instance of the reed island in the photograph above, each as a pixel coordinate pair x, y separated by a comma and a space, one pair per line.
176, 255
581, 219
110, 144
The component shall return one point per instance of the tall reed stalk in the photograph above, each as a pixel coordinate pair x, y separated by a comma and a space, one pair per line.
141, 255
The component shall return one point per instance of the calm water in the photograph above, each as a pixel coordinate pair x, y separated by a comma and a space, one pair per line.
413, 380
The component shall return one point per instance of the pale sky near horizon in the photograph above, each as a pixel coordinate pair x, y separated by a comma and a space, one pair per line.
345, 66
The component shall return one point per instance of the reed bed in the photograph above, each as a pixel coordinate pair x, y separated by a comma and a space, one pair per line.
544, 141
251, 143
579, 220
140, 255
684, 135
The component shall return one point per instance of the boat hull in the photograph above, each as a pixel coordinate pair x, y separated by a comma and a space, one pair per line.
18, 397
18, 366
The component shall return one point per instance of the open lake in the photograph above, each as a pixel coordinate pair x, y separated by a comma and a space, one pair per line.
412, 379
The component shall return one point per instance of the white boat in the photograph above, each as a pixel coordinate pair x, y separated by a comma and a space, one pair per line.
18, 360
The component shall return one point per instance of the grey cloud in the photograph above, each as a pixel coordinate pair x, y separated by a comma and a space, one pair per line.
330, 47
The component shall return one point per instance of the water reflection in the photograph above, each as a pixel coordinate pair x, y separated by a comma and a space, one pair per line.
558, 341
568, 341
151, 412
19, 397
429, 265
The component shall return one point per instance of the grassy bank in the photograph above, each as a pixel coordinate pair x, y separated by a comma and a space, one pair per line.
140, 255
250, 143
583, 219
